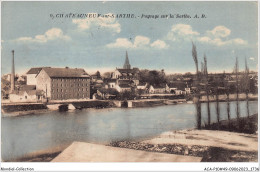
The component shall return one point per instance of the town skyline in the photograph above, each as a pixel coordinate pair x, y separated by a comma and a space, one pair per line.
100, 43
102, 71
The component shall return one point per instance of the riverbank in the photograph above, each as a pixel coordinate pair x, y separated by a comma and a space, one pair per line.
64, 105
212, 146
247, 125
34, 109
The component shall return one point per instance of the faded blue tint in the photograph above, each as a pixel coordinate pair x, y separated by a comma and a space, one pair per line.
87, 49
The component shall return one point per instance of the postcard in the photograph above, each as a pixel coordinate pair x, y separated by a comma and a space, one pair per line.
129, 83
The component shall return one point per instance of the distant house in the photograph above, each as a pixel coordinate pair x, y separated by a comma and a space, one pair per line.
123, 87
31, 75
126, 81
7, 77
111, 83
96, 77
26, 96
64, 83
177, 88
125, 73
171, 88
157, 89
109, 93
21, 78
142, 86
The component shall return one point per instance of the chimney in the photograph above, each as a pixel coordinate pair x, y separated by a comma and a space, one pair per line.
13, 73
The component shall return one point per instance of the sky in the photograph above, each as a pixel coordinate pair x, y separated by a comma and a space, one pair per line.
98, 40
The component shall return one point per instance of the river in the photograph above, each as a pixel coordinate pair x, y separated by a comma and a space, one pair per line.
22, 135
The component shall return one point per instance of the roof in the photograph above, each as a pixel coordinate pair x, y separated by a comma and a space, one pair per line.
108, 91
65, 72
158, 86
132, 71
29, 92
125, 82
96, 74
27, 87
124, 85
110, 80
34, 70
142, 84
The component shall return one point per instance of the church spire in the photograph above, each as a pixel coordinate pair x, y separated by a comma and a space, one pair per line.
127, 64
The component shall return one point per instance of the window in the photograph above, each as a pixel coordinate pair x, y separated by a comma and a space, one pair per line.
25, 97
61, 90
57, 90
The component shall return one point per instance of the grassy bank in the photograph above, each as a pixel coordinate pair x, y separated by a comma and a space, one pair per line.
243, 125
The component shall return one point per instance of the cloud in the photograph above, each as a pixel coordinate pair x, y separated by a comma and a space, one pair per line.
120, 43
181, 31
103, 22
51, 34
140, 42
219, 31
220, 42
239, 41
159, 44
218, 36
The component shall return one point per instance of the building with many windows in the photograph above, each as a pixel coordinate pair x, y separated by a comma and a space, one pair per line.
63, 83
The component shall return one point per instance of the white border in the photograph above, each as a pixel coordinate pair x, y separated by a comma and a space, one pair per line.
131, 166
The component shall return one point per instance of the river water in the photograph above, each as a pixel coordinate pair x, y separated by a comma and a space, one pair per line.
32, 133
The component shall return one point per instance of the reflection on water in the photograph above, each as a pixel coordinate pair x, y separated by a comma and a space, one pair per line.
22, 135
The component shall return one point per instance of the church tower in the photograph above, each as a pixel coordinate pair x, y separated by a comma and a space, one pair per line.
127, 64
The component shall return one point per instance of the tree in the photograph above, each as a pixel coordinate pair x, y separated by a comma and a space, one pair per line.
245, 84
153, 77
207, 86
236, 70
197, 93
217, 99
98, 74
227, 92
